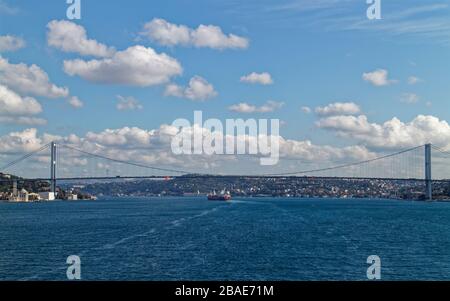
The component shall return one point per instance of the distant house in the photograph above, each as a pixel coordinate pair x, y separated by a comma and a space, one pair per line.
22, 196
33, 197
47, 196
72, 197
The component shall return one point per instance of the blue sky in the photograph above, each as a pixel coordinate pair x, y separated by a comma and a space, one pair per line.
316, 53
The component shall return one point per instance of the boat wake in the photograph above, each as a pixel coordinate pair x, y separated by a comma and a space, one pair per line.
126, 239
111, 246
246, 202
179, 222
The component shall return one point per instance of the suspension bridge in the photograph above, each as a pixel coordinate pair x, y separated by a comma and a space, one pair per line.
424, 163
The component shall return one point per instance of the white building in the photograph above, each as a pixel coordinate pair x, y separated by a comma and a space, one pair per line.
22, 196
47, 196
72, 197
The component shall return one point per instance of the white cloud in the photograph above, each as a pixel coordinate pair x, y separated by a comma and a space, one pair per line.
307, 151
378, 78
130, 137
13, 104
24, 142
258, 78
75, 102
23, 120
338, 108
413, 80
198, 89
392, 134
353, 124
29, 80
128, 104
15, 109
153, 147
409, 98
135, 66
168, 34
11, 43
244, 107
70, 37
213, 37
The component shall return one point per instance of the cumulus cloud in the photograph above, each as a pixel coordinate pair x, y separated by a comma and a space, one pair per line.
124, 136
70, 37
392, 134
11, 43
258, 78
75, 102
13, 104
166, 33
307, 151
24, 142
128, 103
169, 34
135, 66
346, 124
29, 80
378, 78
338, 108
198, 89
154, 147
15, 109
268, 107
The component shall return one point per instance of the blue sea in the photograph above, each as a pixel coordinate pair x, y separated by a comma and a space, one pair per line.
246, 239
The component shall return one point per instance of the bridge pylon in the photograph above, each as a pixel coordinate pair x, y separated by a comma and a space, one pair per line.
428, 175
53, 168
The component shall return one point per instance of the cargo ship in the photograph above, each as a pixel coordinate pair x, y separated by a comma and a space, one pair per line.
223, 196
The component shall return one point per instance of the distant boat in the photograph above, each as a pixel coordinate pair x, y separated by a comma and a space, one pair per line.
223, 196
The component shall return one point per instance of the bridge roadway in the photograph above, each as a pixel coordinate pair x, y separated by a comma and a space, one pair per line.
215, 176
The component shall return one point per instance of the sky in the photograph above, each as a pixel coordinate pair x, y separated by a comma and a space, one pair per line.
345, 88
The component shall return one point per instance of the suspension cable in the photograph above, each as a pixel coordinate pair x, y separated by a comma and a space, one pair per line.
347, 165
12, 163
441, 150
125, 162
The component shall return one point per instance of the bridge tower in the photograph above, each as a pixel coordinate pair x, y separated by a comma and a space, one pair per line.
53, 168
428, 176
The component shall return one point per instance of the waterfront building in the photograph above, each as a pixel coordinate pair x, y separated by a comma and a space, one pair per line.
34, 197
22, 196
47, 196
72, 197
